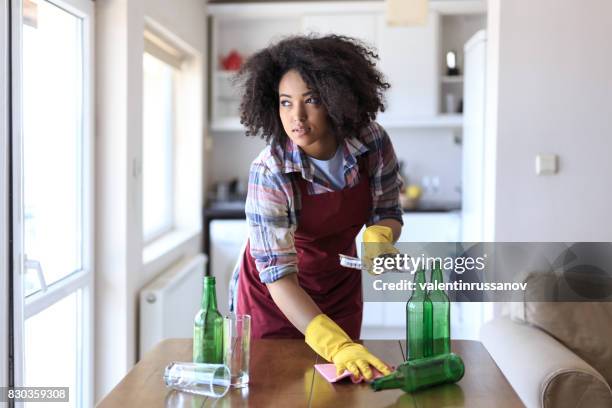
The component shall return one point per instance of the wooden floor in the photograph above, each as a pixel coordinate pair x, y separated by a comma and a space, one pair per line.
282, 375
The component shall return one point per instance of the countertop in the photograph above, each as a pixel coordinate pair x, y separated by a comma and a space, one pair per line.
282, 375
235, 208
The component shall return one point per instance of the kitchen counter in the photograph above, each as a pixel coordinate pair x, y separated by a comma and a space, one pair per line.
234, 210
282, 375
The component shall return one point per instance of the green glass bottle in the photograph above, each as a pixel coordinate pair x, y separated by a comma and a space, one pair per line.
208, 327
416, 375
441, 313
419, 320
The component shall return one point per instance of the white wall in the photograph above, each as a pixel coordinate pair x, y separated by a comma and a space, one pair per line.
120, 270
234, 153
115, 207
425, 152
430, 153
554, 96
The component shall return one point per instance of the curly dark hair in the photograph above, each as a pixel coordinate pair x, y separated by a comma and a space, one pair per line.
342, 70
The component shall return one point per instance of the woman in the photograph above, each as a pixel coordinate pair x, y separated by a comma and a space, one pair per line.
328, 169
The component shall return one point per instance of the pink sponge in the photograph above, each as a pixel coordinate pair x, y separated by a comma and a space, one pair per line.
328, 371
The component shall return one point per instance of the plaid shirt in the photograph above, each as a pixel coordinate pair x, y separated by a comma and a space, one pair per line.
273, 201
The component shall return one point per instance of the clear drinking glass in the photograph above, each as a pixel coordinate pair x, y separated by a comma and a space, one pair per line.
211, 380
236, 345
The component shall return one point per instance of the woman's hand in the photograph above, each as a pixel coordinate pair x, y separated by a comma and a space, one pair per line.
332, 343
378, 241
357, 359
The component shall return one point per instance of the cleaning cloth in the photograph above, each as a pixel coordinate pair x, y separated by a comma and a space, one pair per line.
328, 371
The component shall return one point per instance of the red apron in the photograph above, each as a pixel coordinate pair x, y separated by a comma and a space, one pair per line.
327, 226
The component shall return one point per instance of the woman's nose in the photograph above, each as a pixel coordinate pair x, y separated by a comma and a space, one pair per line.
299, 112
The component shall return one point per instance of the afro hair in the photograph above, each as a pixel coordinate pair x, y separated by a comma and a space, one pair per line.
341, 70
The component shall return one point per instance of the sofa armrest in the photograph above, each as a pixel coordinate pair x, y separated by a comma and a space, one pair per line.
542, 371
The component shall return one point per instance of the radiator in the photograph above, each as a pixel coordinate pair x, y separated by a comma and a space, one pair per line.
169, 303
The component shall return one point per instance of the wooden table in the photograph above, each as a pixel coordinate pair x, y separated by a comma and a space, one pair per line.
282, 375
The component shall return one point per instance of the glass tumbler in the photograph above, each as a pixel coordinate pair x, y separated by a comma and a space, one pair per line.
211, 380
236, 345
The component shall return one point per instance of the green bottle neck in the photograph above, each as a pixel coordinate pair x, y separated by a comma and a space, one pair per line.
209, 294
419, 276
393, 380
436, 273
419, 279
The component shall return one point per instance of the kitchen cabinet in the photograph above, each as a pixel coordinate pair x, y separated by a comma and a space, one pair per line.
409, 60
410, 57
227, 239
387, 320
380, 320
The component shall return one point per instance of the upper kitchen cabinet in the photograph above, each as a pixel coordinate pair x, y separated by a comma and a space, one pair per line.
411, 58
408, 59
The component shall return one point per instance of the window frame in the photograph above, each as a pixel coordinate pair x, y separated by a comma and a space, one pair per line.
82, 280
4, 190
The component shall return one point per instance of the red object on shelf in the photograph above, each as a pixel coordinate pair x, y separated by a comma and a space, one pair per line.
232, 62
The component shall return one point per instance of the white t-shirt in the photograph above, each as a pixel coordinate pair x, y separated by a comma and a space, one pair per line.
332, 168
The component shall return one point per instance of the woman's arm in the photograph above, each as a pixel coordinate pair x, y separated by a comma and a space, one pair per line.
324, 336
293, 301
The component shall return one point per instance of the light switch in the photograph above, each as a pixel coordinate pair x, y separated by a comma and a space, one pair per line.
546, 164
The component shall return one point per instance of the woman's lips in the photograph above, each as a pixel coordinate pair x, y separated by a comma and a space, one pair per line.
300, 131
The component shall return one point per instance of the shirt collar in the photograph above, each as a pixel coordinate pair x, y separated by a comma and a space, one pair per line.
295, 160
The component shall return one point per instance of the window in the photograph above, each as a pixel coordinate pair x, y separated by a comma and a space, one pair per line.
171, 144
163, 73
52, 143
159, 83
53, 195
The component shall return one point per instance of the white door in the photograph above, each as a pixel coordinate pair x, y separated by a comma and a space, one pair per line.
52, 187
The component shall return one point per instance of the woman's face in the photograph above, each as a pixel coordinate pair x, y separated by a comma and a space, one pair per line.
304, 117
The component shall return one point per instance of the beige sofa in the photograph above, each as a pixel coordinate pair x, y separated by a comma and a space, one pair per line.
555, 354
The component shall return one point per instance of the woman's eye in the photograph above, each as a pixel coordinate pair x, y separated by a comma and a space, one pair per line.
285, 103
314, 100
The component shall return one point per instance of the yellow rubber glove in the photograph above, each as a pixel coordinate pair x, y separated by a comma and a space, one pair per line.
332, 343
378, 241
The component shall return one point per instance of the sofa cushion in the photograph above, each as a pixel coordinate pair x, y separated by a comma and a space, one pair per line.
585, 328
542, 371
576, 389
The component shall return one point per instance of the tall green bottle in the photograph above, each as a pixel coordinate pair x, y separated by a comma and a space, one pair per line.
441, 313
208, 327
416, 375
419, 320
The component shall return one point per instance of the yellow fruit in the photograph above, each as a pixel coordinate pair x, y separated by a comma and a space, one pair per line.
413, 191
